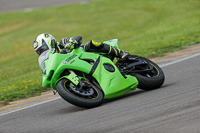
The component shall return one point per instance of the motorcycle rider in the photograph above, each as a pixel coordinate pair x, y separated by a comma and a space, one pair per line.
46, 41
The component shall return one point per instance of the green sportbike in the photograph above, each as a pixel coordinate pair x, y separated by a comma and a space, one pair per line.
85, 79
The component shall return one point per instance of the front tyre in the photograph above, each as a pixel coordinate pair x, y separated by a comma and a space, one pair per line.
151, 80
88, 98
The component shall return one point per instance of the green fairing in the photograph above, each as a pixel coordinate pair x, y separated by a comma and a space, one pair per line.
113, 84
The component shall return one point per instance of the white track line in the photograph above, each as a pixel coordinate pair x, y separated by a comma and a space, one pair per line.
164, 65
29, 106
173, 62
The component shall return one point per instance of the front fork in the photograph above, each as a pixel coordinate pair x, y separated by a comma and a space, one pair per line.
73, 77
82, 83
76, 76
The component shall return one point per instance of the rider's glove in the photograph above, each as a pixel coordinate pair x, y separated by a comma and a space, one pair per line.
63, 42
68, 43
69, 47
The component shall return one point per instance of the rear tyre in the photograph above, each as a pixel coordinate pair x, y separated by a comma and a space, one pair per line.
151, 80
89, 98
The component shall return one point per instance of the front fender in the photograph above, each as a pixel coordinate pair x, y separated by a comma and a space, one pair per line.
70, 77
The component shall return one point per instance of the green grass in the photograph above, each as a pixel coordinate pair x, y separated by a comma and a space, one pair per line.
146, 28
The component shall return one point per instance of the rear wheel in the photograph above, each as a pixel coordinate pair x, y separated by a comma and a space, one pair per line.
87, 97
152, 79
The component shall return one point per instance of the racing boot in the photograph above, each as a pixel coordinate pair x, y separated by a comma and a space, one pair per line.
102, 48
124, 56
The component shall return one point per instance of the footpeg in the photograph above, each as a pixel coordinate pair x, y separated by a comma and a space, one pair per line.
54, 92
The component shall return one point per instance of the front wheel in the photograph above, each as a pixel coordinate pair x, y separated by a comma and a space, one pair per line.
87, 97
152, 79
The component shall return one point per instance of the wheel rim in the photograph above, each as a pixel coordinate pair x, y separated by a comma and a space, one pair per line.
86, 92
154, 72
89, 93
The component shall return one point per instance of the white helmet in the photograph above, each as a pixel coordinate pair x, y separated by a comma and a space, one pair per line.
44, 42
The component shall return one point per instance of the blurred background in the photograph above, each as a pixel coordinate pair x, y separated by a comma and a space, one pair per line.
27, 5
145, 28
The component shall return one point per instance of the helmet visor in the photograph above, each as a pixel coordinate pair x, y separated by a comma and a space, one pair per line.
41, 49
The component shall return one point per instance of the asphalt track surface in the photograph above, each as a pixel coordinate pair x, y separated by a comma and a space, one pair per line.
174, 108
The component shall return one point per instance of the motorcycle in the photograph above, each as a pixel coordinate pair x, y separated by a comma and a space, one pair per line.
85, 79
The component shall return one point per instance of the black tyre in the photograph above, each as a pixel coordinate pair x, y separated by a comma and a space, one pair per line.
91, 97
151, 80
